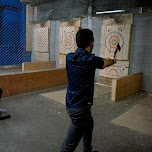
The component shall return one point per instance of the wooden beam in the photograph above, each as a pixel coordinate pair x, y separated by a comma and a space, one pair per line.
29, 28
33, 66
26, 82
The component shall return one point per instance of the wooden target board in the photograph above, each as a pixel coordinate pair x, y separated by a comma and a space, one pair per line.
67, 41
41, 46
121, 68
114, 72
41, 40
111, 34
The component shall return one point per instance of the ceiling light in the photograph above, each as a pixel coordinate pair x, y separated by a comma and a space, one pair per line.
107, 12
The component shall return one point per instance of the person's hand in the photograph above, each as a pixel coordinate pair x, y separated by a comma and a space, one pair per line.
113, 58
109, 61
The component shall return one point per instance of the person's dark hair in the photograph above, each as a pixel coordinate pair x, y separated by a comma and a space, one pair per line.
84, 37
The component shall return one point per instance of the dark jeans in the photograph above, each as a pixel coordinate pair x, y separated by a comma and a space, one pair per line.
81, 126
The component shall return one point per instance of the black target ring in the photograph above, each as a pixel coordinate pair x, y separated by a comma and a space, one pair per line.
112, 39
68, 40
41, 39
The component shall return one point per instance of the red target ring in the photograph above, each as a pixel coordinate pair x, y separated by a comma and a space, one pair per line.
41, 39
68, 40
112, 39
117, 70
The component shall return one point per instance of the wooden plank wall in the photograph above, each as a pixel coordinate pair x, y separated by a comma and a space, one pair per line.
42, 42
126, 86
33, 66
26, 82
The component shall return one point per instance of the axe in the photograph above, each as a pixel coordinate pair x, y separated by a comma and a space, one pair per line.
117, 49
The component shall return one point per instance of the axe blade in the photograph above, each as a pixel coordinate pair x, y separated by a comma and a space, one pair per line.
118, 48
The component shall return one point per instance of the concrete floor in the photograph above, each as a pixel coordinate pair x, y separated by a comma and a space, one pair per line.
39, 124
60, 95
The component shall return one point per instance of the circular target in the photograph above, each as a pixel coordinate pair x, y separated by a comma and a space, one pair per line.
41, 39
68, 40
112, 39
114, 70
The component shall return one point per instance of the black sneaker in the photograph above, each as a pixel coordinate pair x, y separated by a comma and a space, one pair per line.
4, 115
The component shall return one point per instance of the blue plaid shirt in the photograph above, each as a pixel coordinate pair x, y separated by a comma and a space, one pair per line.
81, 67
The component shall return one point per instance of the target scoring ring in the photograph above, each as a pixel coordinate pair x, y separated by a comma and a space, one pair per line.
41, 39
116, 70
112, 39
68, 40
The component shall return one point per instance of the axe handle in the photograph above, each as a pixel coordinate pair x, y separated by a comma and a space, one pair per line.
115, 52
117, 48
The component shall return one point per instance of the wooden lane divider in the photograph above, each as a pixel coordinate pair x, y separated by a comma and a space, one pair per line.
34, 66
126, 86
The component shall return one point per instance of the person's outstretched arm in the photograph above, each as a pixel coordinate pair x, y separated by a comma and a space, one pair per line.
101, 63
109, 61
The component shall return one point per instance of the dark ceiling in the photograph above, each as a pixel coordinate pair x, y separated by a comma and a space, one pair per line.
68, 9
100, 3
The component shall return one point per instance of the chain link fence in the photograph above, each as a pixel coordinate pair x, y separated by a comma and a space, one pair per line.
38, 36
12, 36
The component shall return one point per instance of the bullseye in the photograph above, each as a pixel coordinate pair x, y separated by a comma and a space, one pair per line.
41, 39
114, 42
112, 39
68, 40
